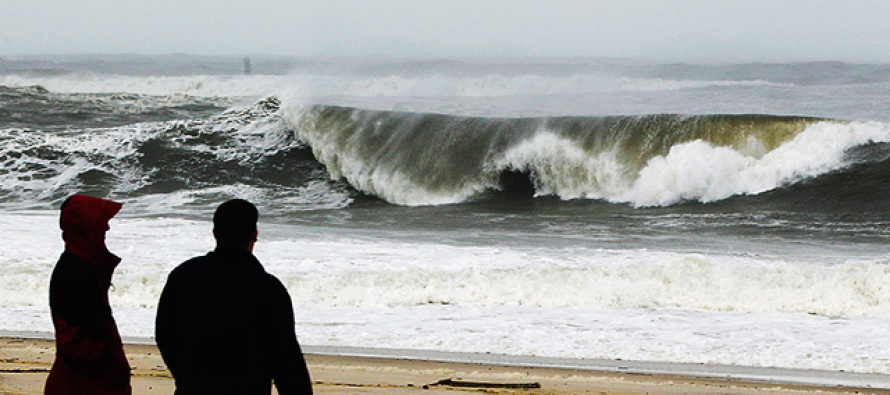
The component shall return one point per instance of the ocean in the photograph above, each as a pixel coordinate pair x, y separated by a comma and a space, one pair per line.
573, 208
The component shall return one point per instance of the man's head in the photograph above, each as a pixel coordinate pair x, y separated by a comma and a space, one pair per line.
234, 224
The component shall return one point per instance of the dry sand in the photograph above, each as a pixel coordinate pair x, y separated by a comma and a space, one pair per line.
25, 363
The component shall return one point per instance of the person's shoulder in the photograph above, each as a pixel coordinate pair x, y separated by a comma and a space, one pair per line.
190, 266
272, 280
69, 259
273, 284
70, 267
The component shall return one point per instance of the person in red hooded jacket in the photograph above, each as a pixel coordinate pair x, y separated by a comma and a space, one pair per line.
89, 354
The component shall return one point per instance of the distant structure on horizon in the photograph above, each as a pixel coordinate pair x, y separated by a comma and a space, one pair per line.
247, 66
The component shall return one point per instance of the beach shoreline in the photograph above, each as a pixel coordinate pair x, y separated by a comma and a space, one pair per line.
25, 362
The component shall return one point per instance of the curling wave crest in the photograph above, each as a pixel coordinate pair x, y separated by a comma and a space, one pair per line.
658, 160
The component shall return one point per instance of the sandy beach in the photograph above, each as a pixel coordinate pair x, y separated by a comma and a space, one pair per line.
25, 363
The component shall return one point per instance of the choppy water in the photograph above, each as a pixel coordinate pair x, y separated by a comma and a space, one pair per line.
592, 209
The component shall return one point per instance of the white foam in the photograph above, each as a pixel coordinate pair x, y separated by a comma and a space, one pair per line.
562, 168
34, 177
368, 290
700, 171
364, 273
799, 341
414, 274
41, 165
696, 170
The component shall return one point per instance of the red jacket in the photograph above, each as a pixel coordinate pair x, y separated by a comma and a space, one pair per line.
89, 354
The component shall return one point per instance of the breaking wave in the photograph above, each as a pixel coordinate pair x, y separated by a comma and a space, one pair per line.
654, 160
327, 156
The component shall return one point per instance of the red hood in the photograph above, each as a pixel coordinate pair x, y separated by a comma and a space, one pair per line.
84, 222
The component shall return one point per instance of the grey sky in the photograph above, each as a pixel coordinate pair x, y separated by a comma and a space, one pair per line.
715, 30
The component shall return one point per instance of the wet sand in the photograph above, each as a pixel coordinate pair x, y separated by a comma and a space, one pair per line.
25, 363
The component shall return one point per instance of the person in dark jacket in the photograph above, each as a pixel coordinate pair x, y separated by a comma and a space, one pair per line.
89, 355
226, 326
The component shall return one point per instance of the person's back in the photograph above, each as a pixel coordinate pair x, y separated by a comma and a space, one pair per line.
224, 325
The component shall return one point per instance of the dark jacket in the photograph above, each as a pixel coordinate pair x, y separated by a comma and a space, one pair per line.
89, 355
225, 326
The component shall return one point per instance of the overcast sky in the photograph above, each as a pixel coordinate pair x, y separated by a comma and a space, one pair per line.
713, 30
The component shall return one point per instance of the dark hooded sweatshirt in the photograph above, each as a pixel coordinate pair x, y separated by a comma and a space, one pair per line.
226, 326
89, 355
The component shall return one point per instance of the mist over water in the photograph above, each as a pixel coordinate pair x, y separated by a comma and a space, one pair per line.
618, 200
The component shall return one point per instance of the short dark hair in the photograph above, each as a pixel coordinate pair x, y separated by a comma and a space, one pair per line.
234, 222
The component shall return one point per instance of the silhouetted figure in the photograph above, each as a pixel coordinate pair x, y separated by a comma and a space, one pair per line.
224, 325
248, 69
89, 355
